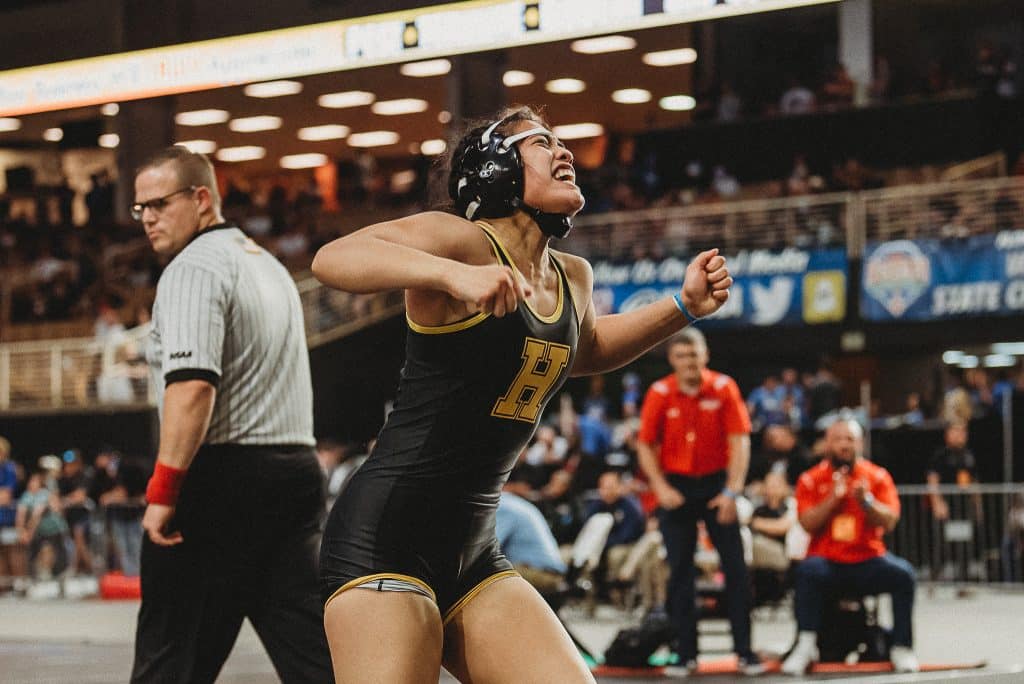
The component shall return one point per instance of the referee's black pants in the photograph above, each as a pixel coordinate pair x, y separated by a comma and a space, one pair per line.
679, 532
251, 519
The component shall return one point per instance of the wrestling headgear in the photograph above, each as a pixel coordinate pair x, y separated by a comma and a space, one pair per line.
486, 180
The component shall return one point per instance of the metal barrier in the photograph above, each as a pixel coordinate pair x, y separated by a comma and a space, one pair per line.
981, 541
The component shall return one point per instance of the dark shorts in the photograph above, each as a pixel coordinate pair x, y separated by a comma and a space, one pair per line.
386, 528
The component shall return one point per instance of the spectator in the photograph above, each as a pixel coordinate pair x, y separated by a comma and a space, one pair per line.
548, 450
730, 104
73, 486
595, 441
41, 526
847, 504
770, 523
791, 388
798, 98
913, 414
528, 544
724, 184
780, 450
631, 395
125, 502
694, 448
838, 89
765, 404
12, 558
823, 394
108, 328
629, 522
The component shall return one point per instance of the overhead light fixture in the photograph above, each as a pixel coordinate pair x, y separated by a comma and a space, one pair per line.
631, 96
53, 134
201, 117
199, 146
578, 130
110, 109
677, 103
240, 154
431, 67
444, 116
596, 46
514, 78
1016, 348
373, 139
348, 98
670, 57
952, 357
303, 161
405, 105
9, 124
253, 124
433, 147
326, 132
564, 86
273, 89
1000, 361
969, 361
109, 140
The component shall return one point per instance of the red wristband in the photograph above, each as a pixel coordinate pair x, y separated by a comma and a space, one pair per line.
165, 484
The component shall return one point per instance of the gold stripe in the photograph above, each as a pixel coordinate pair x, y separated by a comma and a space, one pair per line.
471, 594
382, 575
572, 297
558, 307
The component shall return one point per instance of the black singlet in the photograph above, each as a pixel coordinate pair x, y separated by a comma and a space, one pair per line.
471, 394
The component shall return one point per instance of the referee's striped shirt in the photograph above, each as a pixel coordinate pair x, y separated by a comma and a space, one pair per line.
228, 312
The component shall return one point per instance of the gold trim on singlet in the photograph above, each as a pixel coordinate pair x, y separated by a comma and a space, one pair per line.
457, 325
471, 594
487, 228
382, 575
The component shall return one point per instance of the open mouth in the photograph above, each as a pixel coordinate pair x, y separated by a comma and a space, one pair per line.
565, 174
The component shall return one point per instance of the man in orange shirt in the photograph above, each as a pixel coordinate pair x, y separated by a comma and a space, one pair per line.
847, 504
694, 448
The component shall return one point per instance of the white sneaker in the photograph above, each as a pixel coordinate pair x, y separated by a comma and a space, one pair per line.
903, 659
800, 658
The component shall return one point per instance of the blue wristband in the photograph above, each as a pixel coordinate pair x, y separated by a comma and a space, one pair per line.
729, 494
679, 305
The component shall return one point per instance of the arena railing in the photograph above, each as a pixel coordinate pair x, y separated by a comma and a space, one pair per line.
979, 541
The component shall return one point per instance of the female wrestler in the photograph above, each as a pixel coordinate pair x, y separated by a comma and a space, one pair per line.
411, 572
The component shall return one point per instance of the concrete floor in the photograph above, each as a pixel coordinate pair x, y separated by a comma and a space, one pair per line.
63, 641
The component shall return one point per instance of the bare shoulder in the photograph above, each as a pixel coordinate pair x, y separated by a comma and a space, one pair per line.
576, 268
439, 233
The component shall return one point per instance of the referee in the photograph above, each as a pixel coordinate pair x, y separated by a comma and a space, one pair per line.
236, 499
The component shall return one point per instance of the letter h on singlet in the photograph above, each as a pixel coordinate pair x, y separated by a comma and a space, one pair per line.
543, 363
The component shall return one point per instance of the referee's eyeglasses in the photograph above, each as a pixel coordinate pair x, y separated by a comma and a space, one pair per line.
158, 204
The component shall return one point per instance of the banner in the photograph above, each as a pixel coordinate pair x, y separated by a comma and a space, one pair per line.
922, 280
788, 287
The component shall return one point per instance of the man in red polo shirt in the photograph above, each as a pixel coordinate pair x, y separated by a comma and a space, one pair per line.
694, 448
846, 503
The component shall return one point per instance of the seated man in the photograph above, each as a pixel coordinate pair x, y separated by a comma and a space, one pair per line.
846, 503
630, 523
527, 542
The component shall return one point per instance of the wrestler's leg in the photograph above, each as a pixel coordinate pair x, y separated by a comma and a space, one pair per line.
507, 633
381, 637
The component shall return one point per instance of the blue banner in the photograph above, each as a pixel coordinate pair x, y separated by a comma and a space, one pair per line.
788, 287
922, 280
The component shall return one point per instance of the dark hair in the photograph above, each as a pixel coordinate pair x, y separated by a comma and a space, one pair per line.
690, 336
193, 168
472, 129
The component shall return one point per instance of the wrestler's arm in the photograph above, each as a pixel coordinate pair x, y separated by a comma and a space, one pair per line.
612, 341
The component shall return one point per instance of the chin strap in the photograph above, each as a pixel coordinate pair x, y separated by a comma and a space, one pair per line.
554, 225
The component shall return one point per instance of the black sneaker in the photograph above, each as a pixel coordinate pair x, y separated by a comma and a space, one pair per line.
751, 665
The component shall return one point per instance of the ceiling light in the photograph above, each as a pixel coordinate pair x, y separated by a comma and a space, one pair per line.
577, 131
631, 96
53, 134
199, 146
670, 57
1008, 348
952, 357
514, 78
1000, 361
252, 124
677, 103
444, 116
565, 85
431, 67
433, 147
109, 140
239, 154
303, 161
595, 46
405, 105
373, 139
326, 132
201, 117
8, 124
969, 362
349, 98
273, 88
110, 109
